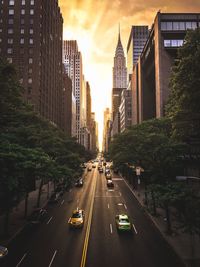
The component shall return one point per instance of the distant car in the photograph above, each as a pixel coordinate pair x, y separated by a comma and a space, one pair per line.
108, 176
107, 170
77, 219
37, 216
116, 170
54, 198
93, 166
3, 252
100, 170
79, 182
104, 164
123, 222
110, 183
89, 169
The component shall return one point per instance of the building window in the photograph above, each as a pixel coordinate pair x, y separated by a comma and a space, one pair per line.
31, 11
32, 2
22, 31
31, 41
22, 21
9, 50
31, 21
31, 31
23, 11
9, 59
30, 51
23, 2
173, 43
11, 12
30, 71
22, 41
10, 41
11, 2
30, 80
10, 31
10, 21
30, 60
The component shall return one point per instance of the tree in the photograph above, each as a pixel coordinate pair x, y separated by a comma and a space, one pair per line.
183, 105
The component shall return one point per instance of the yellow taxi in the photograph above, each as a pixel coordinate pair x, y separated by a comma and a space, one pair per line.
77, 219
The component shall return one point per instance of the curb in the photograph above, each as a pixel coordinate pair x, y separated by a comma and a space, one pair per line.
154, 223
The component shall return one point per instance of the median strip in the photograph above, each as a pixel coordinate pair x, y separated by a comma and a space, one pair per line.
85, 247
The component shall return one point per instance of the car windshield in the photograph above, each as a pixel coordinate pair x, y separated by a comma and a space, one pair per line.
124, 220
76, 215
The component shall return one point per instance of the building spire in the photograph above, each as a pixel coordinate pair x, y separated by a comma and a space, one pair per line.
119, 35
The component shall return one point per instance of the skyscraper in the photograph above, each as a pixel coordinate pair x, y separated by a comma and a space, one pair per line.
119, 83
72, 60
136, 42
31, 39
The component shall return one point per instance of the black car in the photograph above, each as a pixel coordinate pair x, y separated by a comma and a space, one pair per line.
37, 216
79, 183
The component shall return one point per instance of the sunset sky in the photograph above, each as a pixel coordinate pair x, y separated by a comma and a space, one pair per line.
94, 24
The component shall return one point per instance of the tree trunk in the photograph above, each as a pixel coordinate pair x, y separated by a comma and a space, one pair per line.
26, 205
39, 193
168, 219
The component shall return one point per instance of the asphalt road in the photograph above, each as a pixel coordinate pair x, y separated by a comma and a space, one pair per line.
98, 244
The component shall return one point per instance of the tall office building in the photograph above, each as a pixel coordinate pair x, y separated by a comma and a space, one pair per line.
119, 83
136, 42
31, 39
151, 75
72, 60
106, 129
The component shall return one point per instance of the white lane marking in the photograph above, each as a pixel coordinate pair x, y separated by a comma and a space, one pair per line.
111, 230
120, 204
125, 206
108, 206
134, 228
49, 220
21, 260
120, 194
111, 190
62, 202
53, 258
117, 179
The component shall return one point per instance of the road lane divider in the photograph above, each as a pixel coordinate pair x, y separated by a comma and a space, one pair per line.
108, 206
87, 235
134, 229
62, 202
49, 220
21, 260
111, 229
52, 259
125, 206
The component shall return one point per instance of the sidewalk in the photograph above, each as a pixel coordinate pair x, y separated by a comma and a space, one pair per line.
180, 242
17, 221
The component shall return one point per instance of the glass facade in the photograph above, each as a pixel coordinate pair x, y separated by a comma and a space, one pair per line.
173, 43
178, 25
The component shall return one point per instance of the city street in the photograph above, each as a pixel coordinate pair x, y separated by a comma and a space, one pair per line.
98, 244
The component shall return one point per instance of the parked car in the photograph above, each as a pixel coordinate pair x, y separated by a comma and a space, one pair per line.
77, 219
89, 169
3, 252
37, 216
93, 166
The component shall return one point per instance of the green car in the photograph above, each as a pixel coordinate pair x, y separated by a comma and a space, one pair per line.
123, 222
